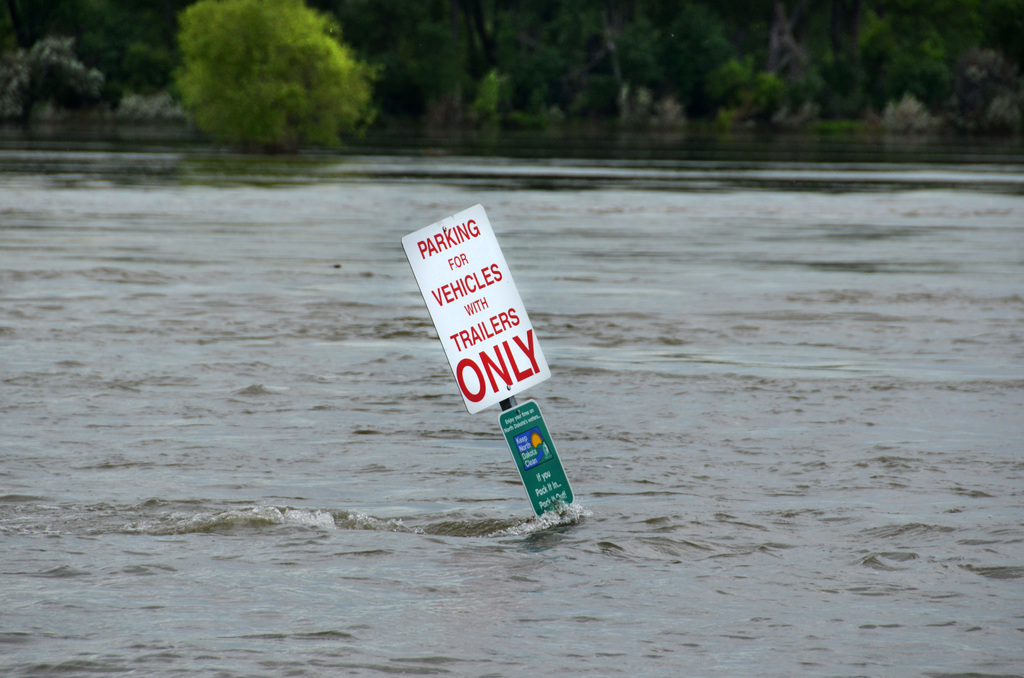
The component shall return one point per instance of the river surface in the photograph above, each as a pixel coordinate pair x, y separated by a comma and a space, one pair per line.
789, 396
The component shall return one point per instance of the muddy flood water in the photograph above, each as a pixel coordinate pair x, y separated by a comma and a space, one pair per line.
788, 392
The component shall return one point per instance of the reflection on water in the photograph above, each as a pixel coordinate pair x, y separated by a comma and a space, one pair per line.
552, 162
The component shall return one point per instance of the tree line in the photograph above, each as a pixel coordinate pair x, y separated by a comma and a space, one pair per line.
535, 63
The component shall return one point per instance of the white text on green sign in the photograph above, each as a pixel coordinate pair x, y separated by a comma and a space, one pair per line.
536, 459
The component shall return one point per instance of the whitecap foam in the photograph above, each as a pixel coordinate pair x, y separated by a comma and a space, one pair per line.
255, 517
362, 521
319, 518
572, 514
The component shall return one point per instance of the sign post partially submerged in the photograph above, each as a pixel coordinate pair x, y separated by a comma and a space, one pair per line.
534, 453
487, 336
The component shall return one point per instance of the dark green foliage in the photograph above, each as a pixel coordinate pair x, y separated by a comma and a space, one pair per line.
558, 54
130, 41
692, 47
420, 59
48, 72
1003, 28
640, 60
986, 97
909, 47
528, 62
745, 93
843, 92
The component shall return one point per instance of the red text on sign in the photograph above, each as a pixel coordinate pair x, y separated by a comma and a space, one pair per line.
447, 238
466, 285
486, 330
476, 306
475, 375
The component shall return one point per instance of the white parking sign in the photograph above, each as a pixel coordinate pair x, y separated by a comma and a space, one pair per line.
476, 308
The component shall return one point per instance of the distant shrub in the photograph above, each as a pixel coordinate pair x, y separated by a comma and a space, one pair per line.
725, 119
636, 106
540, 120
745, 94
159, 107
1005, 114
46, 75
446, 112
14, 80
490, 97
802, 117
986, 93
908, 116
838, 127
767, 94
727, 83
669, 114
270, 74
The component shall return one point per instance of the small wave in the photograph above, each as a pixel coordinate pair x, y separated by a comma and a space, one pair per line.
891, 531
62, 572
16, 638
330, 635
884, 561
573, 514
125, 276
260, 517
997, 572
257, 390
19, 498
362, 521
235, 519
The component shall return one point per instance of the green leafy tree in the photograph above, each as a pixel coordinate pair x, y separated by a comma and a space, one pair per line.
270, 74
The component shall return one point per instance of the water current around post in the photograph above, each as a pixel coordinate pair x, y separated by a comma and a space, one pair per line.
788, 391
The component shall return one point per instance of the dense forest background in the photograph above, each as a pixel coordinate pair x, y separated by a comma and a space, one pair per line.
922, 64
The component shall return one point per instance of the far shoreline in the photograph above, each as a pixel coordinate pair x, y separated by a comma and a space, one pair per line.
849, 141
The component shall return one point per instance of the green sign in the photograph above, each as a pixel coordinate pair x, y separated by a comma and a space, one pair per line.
534, 453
